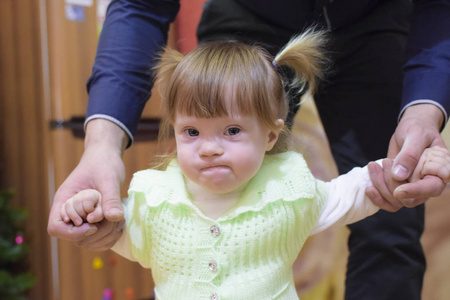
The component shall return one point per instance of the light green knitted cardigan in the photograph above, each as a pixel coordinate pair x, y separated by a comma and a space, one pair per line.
246, 254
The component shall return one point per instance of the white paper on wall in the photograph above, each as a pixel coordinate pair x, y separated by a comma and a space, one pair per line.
80, 2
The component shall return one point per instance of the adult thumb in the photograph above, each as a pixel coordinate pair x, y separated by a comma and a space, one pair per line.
410, 153
111, 204
408, 157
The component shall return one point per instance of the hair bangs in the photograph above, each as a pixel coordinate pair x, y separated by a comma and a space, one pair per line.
222, 78
198, 94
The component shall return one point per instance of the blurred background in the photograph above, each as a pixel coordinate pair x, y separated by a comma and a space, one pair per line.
47, 48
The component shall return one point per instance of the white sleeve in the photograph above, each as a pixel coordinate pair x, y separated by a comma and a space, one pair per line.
346, 201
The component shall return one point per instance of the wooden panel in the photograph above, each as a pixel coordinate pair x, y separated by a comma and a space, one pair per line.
72, 48
24, 142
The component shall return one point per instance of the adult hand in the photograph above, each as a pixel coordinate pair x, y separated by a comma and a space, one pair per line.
100, 168
382, 192
417, 130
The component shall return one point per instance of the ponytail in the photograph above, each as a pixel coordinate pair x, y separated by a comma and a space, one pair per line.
305, 55
169, 60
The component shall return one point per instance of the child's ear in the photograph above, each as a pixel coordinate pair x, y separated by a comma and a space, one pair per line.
274, 134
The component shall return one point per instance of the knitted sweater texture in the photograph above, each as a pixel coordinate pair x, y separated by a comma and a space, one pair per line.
246, 254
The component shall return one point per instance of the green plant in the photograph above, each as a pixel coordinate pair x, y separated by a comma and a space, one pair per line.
15, 277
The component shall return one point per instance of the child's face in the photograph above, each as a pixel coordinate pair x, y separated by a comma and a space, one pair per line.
221, 154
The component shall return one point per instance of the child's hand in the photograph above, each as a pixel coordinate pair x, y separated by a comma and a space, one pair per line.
84, 206
434, 161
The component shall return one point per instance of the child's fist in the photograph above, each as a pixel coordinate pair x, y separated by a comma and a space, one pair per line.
85, 206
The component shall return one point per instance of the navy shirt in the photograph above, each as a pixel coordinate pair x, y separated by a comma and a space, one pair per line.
135, 31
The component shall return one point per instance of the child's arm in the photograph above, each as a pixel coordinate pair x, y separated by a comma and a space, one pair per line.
345, 199
84, 206
346, 202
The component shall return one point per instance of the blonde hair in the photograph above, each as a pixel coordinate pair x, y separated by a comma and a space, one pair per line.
229, 77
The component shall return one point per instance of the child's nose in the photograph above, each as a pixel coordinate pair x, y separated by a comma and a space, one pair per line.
211, 147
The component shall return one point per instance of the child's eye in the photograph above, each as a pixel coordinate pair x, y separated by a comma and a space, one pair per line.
192, 132
233, 130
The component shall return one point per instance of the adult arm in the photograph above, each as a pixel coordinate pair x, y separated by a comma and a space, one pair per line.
100, 168
425, 106
134, 32
133, 35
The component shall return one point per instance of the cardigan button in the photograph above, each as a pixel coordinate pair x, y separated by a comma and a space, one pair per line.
214, 296
212, 265
215, 231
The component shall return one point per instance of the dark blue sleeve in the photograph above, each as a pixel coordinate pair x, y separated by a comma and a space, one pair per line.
427, 69
134, 32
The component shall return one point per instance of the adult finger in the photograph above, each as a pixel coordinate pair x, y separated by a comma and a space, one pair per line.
376, 176
390, 182
380, 193
408, 157
74, 233
415, 193
111, 202
107, 235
